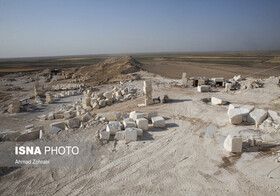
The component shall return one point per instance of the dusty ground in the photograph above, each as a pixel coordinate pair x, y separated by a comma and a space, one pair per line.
174, 69
174, 161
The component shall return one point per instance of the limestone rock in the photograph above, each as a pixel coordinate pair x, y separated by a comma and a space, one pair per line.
235, 116
113, 127
217, 101
128, 124
119, 135
233, 143
257, 116
142, 123
204, 88
158, 122
104, 135
60, 125
112, 116
152, 114
130, 134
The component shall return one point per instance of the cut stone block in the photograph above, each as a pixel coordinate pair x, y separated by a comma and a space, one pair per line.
232, 106
235, 116
131, 114
228, 86
245, 110
112, 116
218, 79
130, 134
113, 127
54, 130
142, 123
60, 125
152, 114
147, 89
158, 122
104, 135
274, 115
135, 115
128, 124
204, 88
257, 116
119, 135
74, 123
147, 83
217, 101
233, 143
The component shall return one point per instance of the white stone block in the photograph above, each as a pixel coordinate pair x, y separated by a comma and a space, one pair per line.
148, 83
112, 116
245, 110
142, 123
135, 115
204, 88
274, 115
235, 116
237, 78
217, 101
130, 134
152, 114
257, 116
128, 124
233, 143
60, 125
228, 86
119, 135
113, 127
104, 135
158, 122
232, 106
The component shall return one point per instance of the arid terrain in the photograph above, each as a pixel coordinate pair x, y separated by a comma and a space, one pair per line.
184, 158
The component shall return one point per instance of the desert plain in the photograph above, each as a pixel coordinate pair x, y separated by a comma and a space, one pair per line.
185, 157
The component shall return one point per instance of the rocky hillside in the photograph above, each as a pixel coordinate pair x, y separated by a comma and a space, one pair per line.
108, 70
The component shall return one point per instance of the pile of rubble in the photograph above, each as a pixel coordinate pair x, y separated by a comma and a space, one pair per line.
130, 128
92, 100
59, 87
265, 120
204, 84
251, 83
18, 106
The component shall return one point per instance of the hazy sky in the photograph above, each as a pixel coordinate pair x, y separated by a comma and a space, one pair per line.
65, 27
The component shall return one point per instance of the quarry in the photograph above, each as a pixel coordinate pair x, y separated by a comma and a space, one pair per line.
154, 134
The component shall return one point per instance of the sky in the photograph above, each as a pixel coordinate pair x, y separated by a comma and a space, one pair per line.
66, 27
